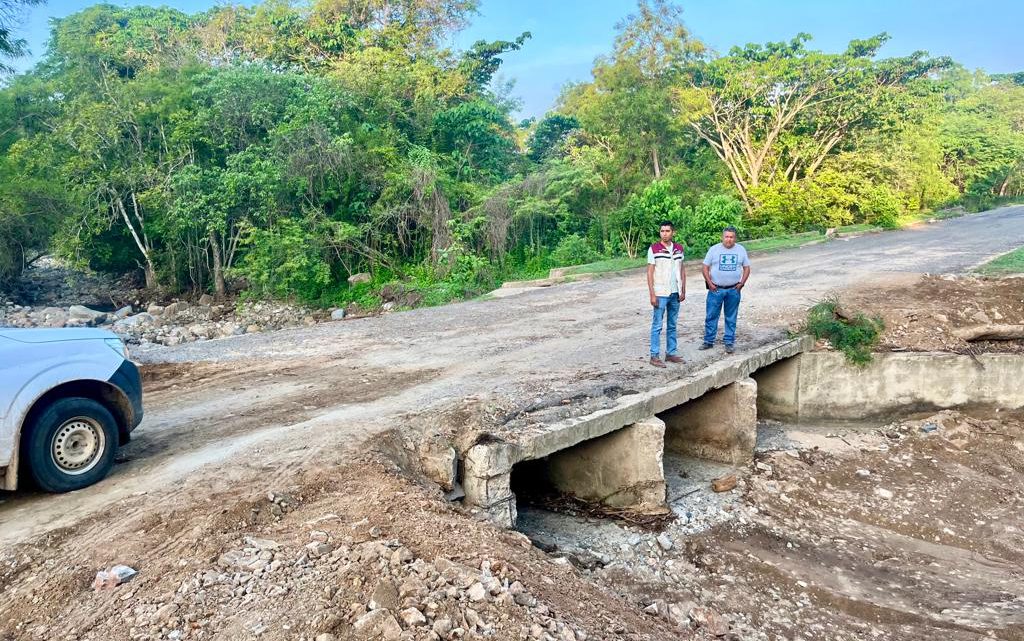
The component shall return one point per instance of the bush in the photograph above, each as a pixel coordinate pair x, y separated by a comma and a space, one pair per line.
854, 336
881, 207
286, 261
637, 223
574, 250
704, 224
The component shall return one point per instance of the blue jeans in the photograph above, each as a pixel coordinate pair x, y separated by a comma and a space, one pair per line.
671, 305
730, 299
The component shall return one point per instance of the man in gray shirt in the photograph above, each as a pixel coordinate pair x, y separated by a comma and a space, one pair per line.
726, 270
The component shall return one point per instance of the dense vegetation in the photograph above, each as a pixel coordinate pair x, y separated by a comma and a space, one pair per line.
282, 147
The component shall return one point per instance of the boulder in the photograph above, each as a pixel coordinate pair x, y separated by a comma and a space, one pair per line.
338, 314
124, 312
206, 299
174, 309
84, 315
356, 279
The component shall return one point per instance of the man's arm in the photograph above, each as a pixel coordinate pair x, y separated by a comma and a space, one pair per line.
650, 285
706, 271
682, 280
746, 275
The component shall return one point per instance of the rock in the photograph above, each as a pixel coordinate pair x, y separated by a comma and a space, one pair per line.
206, 299
81, 313
724, 484
133, 322
326, 636
174, 309
388, 306
164, 614
477, 592
709, 620
385, 596
413, 617
124, 312
442, 627
357, 279
439, 462
679, 613
115, 576
665, 541
883, 493
338, 314
155, 310
377, 624
317, 549
863, 473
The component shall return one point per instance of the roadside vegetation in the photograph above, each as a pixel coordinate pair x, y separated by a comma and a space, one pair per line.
1009, 263
274, 150
855, 335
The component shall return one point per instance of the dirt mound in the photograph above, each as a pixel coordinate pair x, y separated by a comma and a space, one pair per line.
355, 552
929, 313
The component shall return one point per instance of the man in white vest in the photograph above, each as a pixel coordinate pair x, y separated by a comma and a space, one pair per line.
666, 283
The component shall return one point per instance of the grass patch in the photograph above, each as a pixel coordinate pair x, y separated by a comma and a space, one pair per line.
786, 241
609, 265
854, 335
1010, 263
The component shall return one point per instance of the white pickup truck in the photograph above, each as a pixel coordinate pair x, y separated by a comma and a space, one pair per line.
68, 399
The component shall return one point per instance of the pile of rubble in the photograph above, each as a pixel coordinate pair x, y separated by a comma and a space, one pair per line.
173, 324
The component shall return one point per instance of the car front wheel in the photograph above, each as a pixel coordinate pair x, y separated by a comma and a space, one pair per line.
71, 444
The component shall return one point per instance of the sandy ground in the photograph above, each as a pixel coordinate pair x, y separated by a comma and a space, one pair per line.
232, 420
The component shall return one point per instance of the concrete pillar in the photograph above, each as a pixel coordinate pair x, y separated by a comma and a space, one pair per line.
719, 426
778, 389
486, 479
621, 469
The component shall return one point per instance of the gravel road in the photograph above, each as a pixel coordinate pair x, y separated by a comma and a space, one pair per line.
263, 406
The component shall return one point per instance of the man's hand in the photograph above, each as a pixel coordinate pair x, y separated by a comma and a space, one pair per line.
654, 300
713, 287
682, 296
739, 285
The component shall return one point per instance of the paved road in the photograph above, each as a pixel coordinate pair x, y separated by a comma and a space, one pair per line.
262, 407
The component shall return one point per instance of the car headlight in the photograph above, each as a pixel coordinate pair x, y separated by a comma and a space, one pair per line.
118, 346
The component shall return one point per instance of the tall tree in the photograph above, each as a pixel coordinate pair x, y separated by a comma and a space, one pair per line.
776, 111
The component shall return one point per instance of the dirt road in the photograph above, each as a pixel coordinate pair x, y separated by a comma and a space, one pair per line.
262, 407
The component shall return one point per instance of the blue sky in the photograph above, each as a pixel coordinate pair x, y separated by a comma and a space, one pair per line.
568, 34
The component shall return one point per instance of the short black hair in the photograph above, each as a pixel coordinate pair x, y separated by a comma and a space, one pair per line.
732, 229
666, 223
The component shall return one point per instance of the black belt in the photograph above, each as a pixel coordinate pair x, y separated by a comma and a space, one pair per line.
723, 286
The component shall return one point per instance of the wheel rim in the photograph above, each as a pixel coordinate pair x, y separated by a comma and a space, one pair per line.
78, 445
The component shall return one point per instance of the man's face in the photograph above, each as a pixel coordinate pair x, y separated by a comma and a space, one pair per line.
729, 239
666, 233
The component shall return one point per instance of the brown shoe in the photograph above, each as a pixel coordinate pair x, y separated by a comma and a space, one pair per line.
673, 359
657, 362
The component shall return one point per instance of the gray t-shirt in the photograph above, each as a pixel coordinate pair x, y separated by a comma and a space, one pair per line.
726, 264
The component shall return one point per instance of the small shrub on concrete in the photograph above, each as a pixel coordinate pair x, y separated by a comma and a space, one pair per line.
855, 335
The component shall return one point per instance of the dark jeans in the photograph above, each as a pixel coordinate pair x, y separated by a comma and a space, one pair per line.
730, 300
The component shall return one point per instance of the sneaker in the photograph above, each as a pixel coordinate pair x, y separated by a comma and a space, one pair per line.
705, 346
673, 359
729, 349
657, 362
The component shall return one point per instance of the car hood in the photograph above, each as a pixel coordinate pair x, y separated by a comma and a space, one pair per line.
56, 335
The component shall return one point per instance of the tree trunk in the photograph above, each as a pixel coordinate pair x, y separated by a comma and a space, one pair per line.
218, 266
657, 165
1002, 187
150, 272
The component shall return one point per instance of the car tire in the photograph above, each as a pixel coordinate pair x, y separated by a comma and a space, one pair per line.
70, 444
